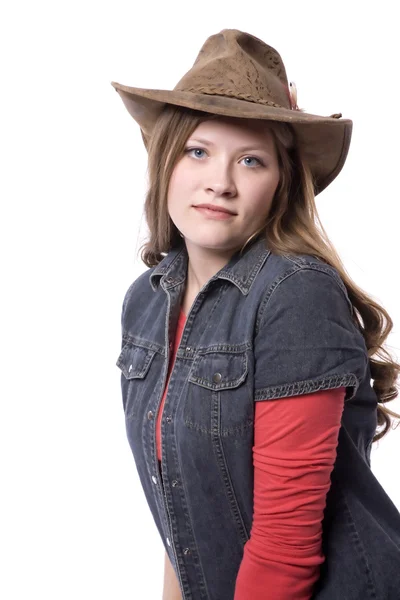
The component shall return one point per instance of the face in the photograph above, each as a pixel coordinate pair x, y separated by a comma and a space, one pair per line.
230, 164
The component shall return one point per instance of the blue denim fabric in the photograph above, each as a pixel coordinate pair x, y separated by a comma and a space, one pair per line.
264, 327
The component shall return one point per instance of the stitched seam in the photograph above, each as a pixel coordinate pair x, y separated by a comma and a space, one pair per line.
359, 545
269, 293
224, 471
297, 388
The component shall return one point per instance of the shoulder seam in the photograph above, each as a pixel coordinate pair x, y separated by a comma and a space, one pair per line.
269, 293
326, 269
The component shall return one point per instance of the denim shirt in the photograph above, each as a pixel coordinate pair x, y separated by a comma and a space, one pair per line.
264, 327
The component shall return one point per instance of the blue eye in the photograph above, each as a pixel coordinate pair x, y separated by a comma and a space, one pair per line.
252, 158
200, 153
189, 150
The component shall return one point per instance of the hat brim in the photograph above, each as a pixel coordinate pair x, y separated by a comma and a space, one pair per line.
325, 141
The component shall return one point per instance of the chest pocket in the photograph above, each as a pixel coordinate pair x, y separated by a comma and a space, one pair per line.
219, 399
134, 362
219, 370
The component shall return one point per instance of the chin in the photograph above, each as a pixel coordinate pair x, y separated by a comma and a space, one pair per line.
212, 242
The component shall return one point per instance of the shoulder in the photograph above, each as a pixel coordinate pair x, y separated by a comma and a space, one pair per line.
298, 279
287, 265
139, 289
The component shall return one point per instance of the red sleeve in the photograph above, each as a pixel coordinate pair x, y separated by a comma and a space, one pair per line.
294, 451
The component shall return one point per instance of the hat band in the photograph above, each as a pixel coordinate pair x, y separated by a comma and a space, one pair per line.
212, 91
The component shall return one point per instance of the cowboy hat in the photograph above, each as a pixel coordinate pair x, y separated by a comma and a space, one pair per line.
238, 75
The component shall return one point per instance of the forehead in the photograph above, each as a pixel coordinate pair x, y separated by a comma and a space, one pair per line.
242, 130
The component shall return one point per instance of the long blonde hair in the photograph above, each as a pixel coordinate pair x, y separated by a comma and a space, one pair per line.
292, 227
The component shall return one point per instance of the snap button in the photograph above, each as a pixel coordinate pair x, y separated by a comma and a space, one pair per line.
169, 419
217, 377
154, 479
188, 348
169, 280
168, 542
150, 414
174, 483
186, 551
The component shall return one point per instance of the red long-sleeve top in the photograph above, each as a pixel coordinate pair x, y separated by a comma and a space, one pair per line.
294, 451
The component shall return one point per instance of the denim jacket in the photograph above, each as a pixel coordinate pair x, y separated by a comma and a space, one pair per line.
264, 327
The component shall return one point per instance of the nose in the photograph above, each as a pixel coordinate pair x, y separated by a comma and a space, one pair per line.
221, 183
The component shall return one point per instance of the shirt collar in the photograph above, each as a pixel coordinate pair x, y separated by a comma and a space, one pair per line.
240, 270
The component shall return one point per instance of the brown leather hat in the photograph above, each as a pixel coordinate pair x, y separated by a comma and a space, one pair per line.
236, 74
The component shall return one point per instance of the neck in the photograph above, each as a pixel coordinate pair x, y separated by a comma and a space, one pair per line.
203, 264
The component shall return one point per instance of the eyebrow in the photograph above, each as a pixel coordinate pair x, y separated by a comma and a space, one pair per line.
241, 149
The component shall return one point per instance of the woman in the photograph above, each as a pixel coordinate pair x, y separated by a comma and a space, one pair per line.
247, 349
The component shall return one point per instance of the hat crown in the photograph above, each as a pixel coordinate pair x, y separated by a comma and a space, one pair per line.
238, 65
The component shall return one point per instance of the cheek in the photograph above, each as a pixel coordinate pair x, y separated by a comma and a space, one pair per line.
173, 190
180, 178
183, 184
179, 188
173, 182
265, 190
261, 196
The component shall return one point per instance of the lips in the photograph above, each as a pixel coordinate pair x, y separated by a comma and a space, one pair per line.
214, 208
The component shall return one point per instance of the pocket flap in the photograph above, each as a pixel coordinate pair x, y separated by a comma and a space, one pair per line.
219, 370
134, 361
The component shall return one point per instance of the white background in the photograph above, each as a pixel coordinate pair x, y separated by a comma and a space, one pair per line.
74, 522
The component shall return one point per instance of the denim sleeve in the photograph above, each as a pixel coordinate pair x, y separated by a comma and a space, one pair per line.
124, 303
307, 339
